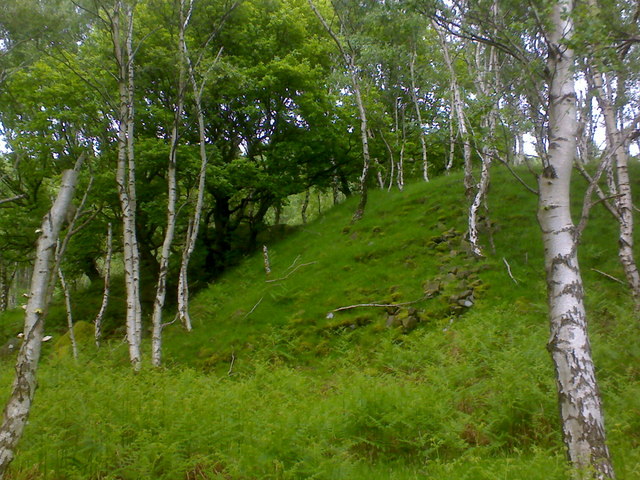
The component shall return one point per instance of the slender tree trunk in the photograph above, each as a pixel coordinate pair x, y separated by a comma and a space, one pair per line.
125, 177
355, 80
107, 287
364, 176
194, 221
617, 144
172, 194
18, 407
458, 109
305, 205
487, 74
392, 162
579, 399
452, 138
67, 305
416, 104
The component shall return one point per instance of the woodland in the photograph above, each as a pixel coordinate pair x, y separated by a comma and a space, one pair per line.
329, 239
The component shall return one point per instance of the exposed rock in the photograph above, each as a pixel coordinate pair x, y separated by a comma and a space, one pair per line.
393, 321
432, 288
409, 323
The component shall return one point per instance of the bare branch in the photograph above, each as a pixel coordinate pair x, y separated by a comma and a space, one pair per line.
290, 273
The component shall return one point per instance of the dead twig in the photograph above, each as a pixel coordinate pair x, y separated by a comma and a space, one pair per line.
509, 270
254, 307
360, 305
294, 262
611, 277
290, 273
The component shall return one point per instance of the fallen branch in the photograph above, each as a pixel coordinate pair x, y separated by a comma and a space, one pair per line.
509, 270
294, 262
290, 273
254, 307
609, 276
349, 307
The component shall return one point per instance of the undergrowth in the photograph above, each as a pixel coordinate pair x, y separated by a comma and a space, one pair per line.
276, 382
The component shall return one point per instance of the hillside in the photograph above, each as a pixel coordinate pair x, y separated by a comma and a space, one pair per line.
277, 381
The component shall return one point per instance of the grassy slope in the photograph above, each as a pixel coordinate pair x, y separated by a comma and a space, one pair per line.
266, 386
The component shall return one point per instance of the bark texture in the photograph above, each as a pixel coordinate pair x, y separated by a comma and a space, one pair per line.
18, 407
194, 221
579, 399
172, 195
122, 36
618, 147
457, 106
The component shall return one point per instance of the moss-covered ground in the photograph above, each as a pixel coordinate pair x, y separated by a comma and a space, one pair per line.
276, 382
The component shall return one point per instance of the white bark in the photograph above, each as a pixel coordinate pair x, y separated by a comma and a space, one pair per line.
125, 176
172, 194
67, 305
194, 221
414, 97
580, 406
618, 146
355, 81
18, 406
458, 108
107, 286
486, 76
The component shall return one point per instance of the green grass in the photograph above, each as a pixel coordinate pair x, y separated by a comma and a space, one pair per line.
268, 387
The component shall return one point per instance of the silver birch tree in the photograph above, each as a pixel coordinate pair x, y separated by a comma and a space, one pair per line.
457, 106
618, 148
416, 105
352, 68
172, 190
107, 286
18, 406
579, 399
122, 37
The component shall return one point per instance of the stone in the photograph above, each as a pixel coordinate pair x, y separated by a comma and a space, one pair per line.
393, 321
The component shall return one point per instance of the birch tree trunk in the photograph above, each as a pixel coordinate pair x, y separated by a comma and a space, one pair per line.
161, 287
125, 176
305, 205
414, 98
107, 287
617, 144
67, 305
355, 81
486, 76
458, 109
16, 411
579, 399
194, 221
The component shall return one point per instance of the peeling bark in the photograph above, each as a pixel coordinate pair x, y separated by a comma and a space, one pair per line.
578, 396
172, 194
618, 180
125, 176
18, 406
194, 222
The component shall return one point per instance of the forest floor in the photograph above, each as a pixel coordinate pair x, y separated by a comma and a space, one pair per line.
278, 380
